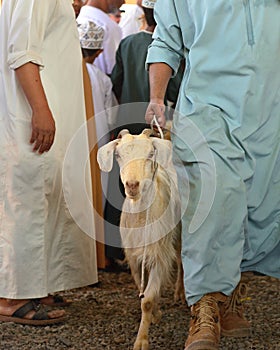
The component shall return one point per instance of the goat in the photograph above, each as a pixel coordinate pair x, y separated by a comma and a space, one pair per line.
150, 225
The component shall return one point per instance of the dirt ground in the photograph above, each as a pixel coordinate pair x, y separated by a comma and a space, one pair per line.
106, 317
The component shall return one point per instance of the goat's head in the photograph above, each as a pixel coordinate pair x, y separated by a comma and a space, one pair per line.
138, 157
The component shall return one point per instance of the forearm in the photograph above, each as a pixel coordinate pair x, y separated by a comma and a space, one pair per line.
159, 75
42, 122
29, 78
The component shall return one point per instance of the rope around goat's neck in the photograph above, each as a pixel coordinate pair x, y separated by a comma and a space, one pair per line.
142, 285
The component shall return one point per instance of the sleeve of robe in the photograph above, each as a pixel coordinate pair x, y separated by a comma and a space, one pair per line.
167, 35
27, 31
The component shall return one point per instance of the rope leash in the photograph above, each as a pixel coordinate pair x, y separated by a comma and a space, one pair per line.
142, 285
155, 122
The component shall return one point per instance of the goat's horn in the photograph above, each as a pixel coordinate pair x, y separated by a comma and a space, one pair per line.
122, 133
147, 132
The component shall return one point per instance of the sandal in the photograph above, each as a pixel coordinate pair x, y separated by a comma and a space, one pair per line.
56, 301
40, 318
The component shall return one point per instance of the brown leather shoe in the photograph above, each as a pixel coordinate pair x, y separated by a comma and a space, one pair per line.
204, 332
233, 322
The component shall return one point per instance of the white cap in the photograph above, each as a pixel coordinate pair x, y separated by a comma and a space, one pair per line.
150, 4
91, 35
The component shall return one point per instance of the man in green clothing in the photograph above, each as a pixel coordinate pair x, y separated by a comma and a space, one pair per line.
129, 76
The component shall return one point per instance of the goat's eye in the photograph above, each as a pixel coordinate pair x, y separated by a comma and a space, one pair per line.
151, 155
117, 154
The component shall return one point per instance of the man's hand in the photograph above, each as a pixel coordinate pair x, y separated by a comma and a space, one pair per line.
43, 130
159, 75
156, 109
42, 122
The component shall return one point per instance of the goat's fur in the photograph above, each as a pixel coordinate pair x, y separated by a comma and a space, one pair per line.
150, 219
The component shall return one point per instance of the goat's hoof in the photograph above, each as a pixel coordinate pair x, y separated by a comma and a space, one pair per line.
141, 344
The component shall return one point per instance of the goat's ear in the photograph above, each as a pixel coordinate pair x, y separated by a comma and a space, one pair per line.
164, 151
105, 155
122, 133
147, 132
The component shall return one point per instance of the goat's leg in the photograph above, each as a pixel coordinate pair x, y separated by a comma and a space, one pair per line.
134, 268
156, 313
151, 296
179, 286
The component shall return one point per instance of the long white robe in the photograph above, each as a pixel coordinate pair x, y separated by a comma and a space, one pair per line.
42, 249
130, 22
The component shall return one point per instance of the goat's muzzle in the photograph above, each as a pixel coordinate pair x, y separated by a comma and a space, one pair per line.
132, 189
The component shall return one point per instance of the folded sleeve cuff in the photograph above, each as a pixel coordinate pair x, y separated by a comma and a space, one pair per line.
159, 53
16, 60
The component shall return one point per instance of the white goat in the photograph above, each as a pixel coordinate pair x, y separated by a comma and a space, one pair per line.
150, 223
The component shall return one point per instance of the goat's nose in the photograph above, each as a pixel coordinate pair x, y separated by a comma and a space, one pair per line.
132, 185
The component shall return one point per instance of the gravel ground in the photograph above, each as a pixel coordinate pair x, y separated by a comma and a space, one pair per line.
106, 317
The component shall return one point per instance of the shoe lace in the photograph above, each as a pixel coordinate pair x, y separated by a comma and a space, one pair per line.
234, 303
205, 314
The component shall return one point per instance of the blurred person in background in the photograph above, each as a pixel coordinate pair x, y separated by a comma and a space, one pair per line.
97, 12
77, 4
132, 19
115, 14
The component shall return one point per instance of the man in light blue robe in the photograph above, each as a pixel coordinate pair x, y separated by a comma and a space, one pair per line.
226, 134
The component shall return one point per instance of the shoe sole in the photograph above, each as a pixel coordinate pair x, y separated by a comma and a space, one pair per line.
26, 321
202, 345
236, 333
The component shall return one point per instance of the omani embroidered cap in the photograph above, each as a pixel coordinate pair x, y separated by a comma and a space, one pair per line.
91, 35
150, 4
